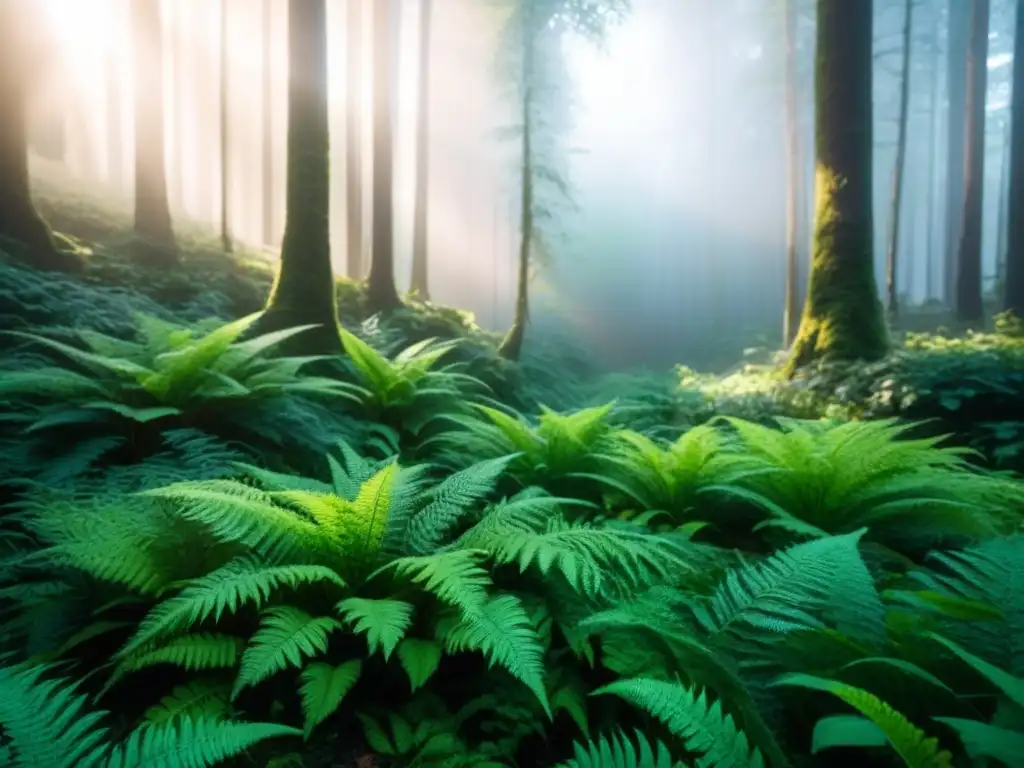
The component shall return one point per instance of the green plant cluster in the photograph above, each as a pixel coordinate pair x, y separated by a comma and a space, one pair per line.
214, 554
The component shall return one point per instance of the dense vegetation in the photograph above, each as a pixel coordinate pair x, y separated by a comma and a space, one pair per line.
214, 553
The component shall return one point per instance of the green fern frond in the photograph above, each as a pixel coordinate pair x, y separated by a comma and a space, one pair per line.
286, 635
196, 699
420, 659
619, 751
384, 622
323, 688
242, 581
191, 652
455, 577
910, 742
689, 714
503, 633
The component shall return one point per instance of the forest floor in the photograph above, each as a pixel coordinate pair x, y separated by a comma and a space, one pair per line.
406, 559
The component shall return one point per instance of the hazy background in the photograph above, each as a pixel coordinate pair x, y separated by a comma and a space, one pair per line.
677, 251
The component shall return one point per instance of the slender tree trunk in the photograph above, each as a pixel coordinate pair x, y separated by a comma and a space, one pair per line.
225, 127
268, 125
842, 318
152, 208
354, 142
1013, 297
304, 290
381, 294
1004, 202
896, 206
969, 304
419, 282
959, 19
794, 179
933, 150
20, 60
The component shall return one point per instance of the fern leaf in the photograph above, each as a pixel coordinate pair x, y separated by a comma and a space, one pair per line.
455, 578
323, 688
196, 699
384, 622
619, 751
420, 659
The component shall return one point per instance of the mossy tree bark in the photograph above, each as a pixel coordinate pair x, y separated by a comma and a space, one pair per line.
1013, 298
969, 304
303, 292
152, 207
419, 280
22, 57
381, 293
842, 317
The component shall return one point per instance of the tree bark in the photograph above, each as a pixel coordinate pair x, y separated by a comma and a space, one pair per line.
152, 208
356, 257
969, 304
956, 86
933, 153
419, 280
896, 204
842, 317
1013, 297
22, 55
794, 179
1003, 211
303, 292
381, 294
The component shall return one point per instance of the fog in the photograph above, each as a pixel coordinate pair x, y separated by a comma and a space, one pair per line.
676, 249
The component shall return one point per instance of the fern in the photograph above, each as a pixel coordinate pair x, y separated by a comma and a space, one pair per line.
619, 751
323, 688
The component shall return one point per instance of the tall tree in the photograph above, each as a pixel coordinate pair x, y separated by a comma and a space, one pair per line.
899, 167
958, 21
381, 293
842, 317
23, 53
354, 141
303, 292
1013, 297
969, 305
419, 282
225, 128
267, 107
934, 132
794, 176
152, 208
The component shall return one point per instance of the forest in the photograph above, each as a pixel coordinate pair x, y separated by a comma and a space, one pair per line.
511, 384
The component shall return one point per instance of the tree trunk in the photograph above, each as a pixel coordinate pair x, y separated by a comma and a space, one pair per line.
959, 20
1013, 297
355, 256
969, 304
933, 152
21, 57
268, 125
1003, 203
842, 317
381, 294
225, 161
794, 178
419, 281
896, 204
152, 208
303, 292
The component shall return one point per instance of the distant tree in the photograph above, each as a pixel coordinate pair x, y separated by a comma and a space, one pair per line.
354, 141
1013, 298
152, 207
794, 175
959, 22
303, 292
23, 53
381, 293
532, 37
225, 132
842, 317
419, 281
899, 167
969, 305
267, 120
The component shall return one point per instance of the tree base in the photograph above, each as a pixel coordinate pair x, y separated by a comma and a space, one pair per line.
324, 339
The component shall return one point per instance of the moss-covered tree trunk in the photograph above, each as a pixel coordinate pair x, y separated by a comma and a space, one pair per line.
152, 207
969, 305
1013, 298
303, 292
381, 294
419, 280
842, 317
20, 60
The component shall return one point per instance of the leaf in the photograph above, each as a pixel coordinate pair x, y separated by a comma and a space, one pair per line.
384, 622
420, 659
323, 688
